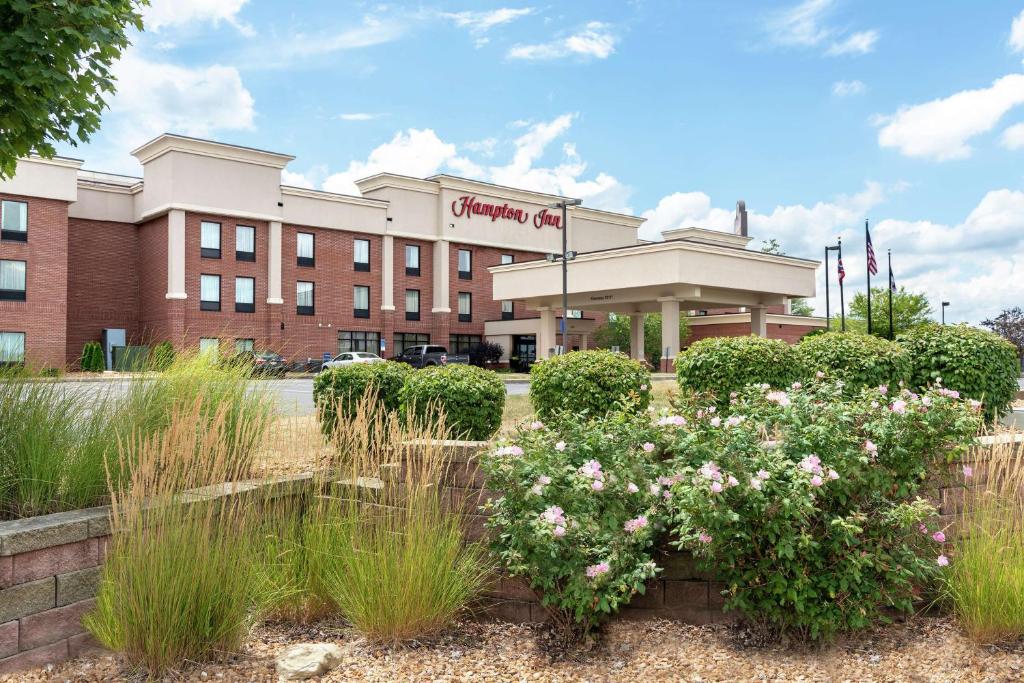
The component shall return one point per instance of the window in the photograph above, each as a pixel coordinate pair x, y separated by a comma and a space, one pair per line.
507, 259
245, 295
508, 311
12, 280
244, 345
361, 255
361, 301
245, 243
209, 345
304, 249
412, 304
209, 239
412, 259
12, 348
405, 340
365, 342
304, 298
462, 343
14, 221
574, 313
209, 292
465, 264
465, 307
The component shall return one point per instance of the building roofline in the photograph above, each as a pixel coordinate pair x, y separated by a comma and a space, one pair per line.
333, 196
168, 142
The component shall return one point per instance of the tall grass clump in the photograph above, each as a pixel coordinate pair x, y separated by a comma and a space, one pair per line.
179, 583
985, 578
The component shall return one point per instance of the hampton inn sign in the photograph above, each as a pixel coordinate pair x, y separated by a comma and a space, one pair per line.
470, 206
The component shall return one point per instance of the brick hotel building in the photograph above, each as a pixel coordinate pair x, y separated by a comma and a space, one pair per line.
209, 248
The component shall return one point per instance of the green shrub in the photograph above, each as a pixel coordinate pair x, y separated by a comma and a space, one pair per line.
588, 382
579, 513
816, 529
162, 356
338, 391
722, 365
92, 359
472, 399
858, 360
977, 363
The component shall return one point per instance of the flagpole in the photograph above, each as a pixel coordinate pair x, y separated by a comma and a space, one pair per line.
892, 329
842, 304
867, 257
828, 318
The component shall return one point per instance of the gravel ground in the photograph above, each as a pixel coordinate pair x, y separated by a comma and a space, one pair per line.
923, 650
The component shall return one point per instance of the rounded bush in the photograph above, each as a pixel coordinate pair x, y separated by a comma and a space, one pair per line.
337, 391
979, 364
591, 382
722, 365
472, 399
859, 360
92, 359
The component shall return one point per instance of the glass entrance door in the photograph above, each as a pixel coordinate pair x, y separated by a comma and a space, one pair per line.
524, 352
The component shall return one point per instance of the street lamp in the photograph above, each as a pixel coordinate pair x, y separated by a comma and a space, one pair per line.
566, 256
944, 304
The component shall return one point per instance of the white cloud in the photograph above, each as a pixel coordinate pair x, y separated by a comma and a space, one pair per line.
293, 179
859, 43
176, 13
479, 23
848, 88
1013, 137
372, 30
1017, 33
805, 26
941, 129
360, 116
418, 153
596, 40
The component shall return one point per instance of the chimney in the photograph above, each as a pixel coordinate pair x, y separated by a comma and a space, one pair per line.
739, 225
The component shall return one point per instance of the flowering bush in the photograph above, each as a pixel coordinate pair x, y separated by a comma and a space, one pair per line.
804, 504
858, 360
721, 365
579, 513
594, 382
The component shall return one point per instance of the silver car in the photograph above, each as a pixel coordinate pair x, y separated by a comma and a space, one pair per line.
350, 358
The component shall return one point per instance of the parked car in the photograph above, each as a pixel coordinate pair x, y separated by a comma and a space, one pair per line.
261, 362
308, 365
425, 356
351, 358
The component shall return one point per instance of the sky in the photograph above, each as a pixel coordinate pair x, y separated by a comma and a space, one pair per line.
819, 114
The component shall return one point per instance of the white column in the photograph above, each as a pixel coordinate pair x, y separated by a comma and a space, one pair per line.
387, 302
176, 254
584, 341
669, 330
274, 263
636, 335
787, 307
546, 336
442, 297
758, 321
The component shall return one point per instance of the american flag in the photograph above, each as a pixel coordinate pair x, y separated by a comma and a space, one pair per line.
842, 271
872, 264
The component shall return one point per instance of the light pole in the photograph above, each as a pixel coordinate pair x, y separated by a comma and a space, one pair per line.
944, 304
566, 256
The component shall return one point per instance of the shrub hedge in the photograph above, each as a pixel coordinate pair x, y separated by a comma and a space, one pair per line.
472, 398
339, 390
722, 365
858, 360
92, 358
591, 382
979, 364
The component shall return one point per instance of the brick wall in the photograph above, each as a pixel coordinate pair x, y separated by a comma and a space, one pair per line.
103, 282
159, 319
43, 314
423, 282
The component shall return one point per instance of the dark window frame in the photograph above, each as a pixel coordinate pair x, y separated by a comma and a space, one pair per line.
413, 271
24, 349
249, 256
14, 235
416, 339
508, 315
210, 252
511, 257
361, 312
305, 261
252, 347
356, 338
305, 310
205, 305
242, 307
360, 266
465, 274
466, 317
15, 294
413, 315
462, 343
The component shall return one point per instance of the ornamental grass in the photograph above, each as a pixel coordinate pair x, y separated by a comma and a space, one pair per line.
985, 578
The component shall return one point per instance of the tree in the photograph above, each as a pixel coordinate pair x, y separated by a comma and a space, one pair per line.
616, 333
55, 68
800, 307
772, 246
1009, 324
909, 310
485, 353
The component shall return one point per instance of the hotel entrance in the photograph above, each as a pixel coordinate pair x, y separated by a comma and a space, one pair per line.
524, 352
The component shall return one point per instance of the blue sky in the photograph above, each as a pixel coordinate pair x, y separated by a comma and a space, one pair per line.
819, 113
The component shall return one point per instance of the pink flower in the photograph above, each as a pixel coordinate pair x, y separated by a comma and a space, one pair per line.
816, 481
942, 560
536, 424
704, 537
560, 446
709, 470
596, 570
711, 409
811, 464
763, 475
939, 537
922, 528
632, 488
796, 385
655, 489
755, 484
678, 420
975, 405
819, 374
716, 422
558, 531
898, 407
968, 471
733, 481
536, 489
716, 487
554, 515
543, 480
509, 450
870, 447
948, 393
833, 475
643, 387
634, 525
648, 447
779, 397
667, 495
883, 389
592, 469
597, 485
733, 394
